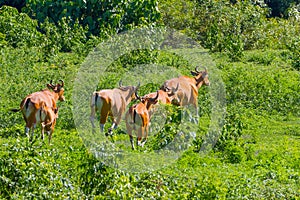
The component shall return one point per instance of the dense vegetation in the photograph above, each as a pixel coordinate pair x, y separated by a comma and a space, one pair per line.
255, 49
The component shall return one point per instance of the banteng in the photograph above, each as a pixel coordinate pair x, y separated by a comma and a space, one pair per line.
111, 102
32, 104
187, 93
138, 119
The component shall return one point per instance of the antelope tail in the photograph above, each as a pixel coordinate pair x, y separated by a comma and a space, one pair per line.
94, 101
27, 103
15, 109
22, 105
96, 98
134, 114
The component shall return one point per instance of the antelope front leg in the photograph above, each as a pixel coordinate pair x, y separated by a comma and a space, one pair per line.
42, 134
140, 134
146, 136
196, 117
129, 132
114, 124
32, 132
42, 131
50, 135
27, 130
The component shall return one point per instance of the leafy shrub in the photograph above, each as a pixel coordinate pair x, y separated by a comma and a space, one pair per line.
232, 129
3, 42
230, 27
234, 153
293, 46
170, 128
63, 37
19, 29
25, 174
234, 28
219, 25
263, 57
267, 88
103, 18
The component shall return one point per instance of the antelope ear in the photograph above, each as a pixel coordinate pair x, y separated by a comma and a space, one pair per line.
204, 73
166, 89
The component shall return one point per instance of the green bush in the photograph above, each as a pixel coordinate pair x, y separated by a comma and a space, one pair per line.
3, 42
29, 171
102, 18
293, 46
273, 88
230, 27
232, 129
233, 153
63, 37
18, 28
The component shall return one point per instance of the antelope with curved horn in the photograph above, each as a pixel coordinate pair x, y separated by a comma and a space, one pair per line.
33, 103
138, 119
111, 102
187, 93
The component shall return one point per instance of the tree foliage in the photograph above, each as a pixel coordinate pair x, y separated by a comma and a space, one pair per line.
231, 27
19, 29
100, 17
279, 8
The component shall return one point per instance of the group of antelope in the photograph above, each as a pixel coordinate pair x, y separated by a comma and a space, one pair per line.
40, 107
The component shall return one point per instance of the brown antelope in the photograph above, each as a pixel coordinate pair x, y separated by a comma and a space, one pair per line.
32, 104
187, 93
111, 102
137, 119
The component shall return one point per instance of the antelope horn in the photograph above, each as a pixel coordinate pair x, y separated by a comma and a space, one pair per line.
137, 96
196, 69
120, 83
137, 87
62, 83
176, 89
155, 98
